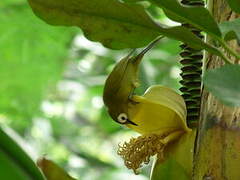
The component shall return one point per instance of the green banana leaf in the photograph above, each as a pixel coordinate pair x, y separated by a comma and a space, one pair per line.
14, 161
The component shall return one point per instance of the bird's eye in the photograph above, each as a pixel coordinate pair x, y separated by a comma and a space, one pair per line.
122, 118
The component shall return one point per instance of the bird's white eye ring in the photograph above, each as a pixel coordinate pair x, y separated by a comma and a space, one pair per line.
122, 118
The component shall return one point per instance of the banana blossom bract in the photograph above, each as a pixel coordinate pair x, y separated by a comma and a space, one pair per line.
161, 118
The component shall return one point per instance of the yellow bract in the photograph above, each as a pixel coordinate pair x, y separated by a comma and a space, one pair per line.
160, 115
159, 111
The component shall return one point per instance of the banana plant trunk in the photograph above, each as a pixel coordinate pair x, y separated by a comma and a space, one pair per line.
217, 148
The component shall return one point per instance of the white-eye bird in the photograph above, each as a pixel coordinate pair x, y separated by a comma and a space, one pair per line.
160, 110
120, 85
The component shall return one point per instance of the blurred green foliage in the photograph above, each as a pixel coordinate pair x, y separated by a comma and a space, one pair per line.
29, 61
51, 92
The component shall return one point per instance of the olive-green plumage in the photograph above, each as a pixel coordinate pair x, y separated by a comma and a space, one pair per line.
120, 85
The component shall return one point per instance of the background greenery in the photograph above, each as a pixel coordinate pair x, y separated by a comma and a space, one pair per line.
51, 92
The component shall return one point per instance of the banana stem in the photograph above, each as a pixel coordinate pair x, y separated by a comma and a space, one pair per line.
230, 50
225, 58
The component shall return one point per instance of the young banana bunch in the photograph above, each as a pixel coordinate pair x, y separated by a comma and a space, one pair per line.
159, 115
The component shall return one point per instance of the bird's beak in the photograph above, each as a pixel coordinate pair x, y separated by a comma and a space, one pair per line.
150, 46
130, 122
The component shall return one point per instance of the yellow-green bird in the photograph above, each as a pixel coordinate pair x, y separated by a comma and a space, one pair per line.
120, 85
